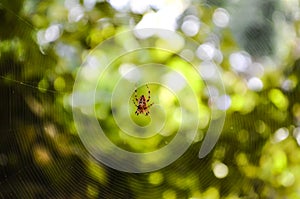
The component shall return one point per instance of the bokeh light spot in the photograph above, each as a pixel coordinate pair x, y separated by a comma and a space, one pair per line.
207, 70
286, 179
59, 83
240, 61
175, 81
223, 102
220, 170
52, 33
255, 84
130, 72
156, 178
76, 13
278, 99
190, 26
296, 134
206, 51
221, 17
281, 134
169, 194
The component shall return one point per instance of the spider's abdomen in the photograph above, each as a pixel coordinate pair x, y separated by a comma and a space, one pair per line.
142, 101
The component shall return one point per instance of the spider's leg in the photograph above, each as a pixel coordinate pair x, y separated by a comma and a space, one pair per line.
148, 93
147, 112
137, 111
135, 95
134, 103
150, 105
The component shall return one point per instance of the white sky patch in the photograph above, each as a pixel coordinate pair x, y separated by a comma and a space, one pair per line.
255, 84
157, 20
165, 17
89, 4
69, 4
139, 6
221, 17
174, 81
240, 61
158, 4
119, 4
173, 42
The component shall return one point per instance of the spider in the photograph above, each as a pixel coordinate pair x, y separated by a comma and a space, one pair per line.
142, 104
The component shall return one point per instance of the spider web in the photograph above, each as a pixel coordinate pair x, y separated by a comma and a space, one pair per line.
26, 137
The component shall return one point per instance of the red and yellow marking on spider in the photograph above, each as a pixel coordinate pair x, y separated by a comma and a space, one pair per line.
143, 106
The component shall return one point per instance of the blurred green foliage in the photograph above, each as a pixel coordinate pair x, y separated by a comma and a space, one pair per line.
42, 47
